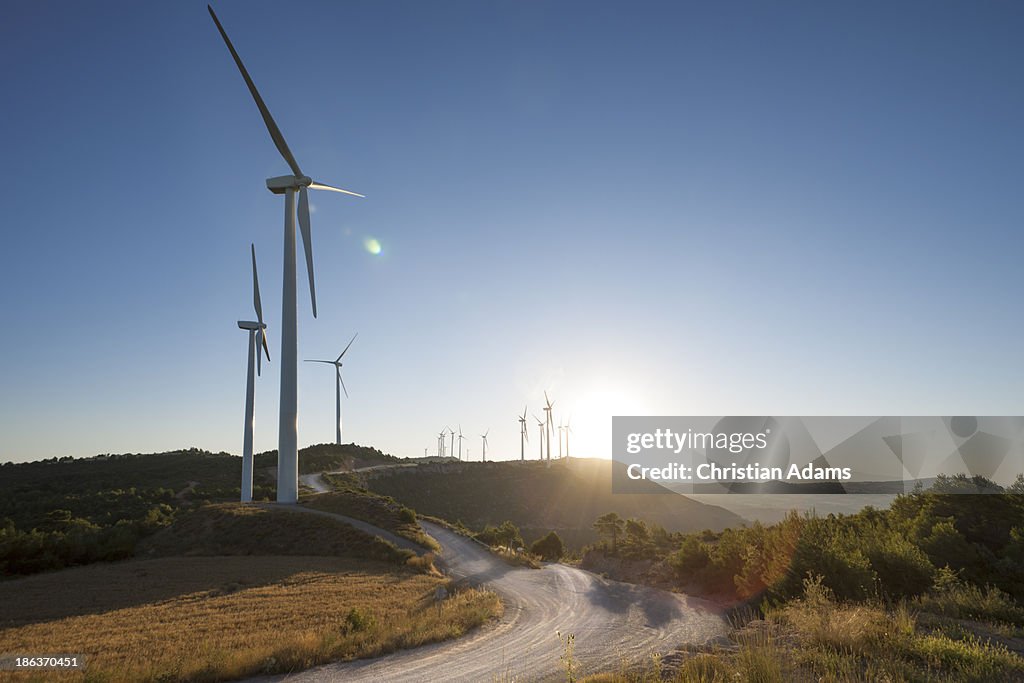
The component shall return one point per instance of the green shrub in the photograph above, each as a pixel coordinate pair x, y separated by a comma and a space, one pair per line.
903, 570
824, 550
691, 558
359, 620
407, 515
549, 547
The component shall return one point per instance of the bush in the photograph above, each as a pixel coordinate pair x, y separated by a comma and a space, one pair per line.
358, 620
407, 515
824, 550
903, 570
692, 557
549, 547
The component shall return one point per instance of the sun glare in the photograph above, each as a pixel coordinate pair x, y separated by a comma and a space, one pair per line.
372, 246
592, 419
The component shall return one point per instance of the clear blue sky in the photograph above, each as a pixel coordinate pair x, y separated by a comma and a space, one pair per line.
661, 208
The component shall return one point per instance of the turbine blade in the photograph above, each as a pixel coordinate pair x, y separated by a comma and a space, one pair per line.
259, 360
349, 344
268, 120
256, 303
321, 361
266, 349
342, 382
321, 186
307, 242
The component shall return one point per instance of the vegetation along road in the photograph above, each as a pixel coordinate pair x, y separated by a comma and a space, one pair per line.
611, 622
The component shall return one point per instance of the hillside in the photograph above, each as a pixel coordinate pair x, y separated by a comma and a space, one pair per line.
567, 497
65, 512
237, 529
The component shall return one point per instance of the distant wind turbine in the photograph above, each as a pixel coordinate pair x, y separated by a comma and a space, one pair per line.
523, 436
453, 442
288, 185
549, 420
440, 443
484, 437
541, 425
568, 431
460, 442
257, 338
561, 430
339, 386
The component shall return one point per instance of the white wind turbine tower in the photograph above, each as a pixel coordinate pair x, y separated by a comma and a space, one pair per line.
339, 386
440, 443
484, 437
460, 443
561, 430
549, 420
453, 442
540, 426
523, 436
287, 435
568, 431
257, 338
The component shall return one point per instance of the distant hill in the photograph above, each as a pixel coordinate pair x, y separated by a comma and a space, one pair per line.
567, 497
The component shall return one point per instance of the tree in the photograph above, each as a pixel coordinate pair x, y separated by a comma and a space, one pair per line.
508, 535
610, 525
549, 547
637, 538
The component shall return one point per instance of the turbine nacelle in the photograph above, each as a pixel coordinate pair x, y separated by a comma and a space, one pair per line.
282, 183
251, 325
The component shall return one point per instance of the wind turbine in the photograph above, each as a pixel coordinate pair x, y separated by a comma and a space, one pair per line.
523, 436
484, 437
550, 421
339, 386
568, 431
257, 337
453, 442
288, 185
440, 443
561, 429
540, 443
460, 443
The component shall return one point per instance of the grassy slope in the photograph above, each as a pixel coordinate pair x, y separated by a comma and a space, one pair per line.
236, 529
302, 575
351, 499
179, 618
567, 497
815, 638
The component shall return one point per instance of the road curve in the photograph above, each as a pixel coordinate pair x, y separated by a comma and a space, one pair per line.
612, 623
315, 482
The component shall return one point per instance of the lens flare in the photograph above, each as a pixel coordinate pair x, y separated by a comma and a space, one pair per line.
372, 246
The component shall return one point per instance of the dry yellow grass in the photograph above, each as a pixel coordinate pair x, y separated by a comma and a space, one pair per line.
216, 618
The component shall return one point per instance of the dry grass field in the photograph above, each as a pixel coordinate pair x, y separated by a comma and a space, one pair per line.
217, 618
231, 590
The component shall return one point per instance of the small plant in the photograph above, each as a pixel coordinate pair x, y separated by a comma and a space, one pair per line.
568, 642
407, 515
358, 620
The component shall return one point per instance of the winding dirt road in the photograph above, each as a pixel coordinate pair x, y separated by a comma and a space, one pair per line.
612, 623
